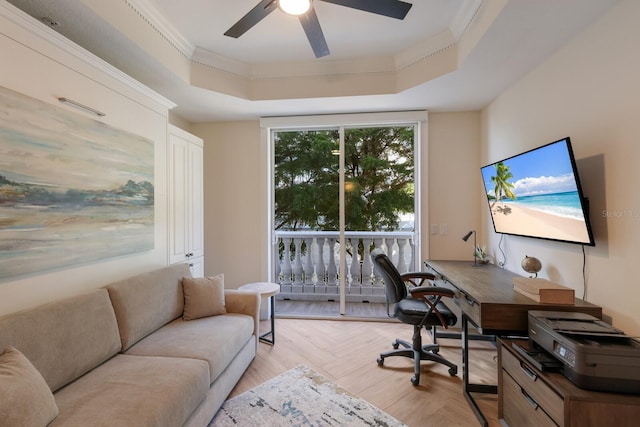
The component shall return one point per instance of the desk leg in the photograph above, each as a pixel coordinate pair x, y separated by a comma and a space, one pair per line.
272, 332
469, 388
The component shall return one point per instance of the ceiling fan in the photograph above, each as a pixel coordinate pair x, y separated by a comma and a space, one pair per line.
305, 12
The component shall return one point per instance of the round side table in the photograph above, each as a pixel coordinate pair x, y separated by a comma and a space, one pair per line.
266, 290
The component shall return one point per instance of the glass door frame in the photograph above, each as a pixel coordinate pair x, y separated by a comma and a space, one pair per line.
340, 122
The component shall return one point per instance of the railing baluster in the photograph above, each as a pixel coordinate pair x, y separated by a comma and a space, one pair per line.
355, 262
389, 244
367, 266
321, 270
332, 270
308, 264
286, 261
377, 278
412, 265
297, 262
402, 265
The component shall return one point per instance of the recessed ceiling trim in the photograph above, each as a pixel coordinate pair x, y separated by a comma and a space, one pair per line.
399, 62
338, 83
46, 33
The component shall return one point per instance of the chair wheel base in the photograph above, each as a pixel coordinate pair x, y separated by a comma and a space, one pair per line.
380, 361
453, 371
415, 380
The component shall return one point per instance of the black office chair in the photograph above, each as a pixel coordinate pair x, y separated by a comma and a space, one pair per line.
418, 306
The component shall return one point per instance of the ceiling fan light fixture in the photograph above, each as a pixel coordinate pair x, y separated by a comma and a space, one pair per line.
294, 7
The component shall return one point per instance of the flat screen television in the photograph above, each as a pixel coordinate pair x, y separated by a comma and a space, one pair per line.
537, 194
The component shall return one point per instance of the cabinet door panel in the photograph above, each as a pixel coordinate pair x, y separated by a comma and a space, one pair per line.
178, 200
196, 204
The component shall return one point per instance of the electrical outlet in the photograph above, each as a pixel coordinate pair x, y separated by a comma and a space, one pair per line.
434, 228
444, 229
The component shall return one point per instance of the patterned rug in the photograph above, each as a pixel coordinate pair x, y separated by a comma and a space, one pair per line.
300, 397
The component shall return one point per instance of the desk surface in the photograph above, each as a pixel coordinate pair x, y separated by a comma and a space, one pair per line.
487, 298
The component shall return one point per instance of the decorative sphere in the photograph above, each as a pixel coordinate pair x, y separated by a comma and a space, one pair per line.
531, 265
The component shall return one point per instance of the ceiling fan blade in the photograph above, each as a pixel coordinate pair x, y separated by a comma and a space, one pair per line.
314, 33
254, 16
391, 8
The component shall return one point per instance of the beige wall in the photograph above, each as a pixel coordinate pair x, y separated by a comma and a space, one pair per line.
589, 90
32, 73
454, 184
235, 201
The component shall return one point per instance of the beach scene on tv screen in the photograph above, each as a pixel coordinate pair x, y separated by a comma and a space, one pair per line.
536, 194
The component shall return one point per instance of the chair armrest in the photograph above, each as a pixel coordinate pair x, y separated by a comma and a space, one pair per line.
411, 277
243, 302
432, 290
424, 292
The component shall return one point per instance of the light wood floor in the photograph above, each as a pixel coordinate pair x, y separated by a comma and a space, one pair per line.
346, 351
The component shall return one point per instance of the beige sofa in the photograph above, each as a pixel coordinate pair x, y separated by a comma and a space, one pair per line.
124, 356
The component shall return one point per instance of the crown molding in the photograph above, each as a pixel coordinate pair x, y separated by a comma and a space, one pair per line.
465, 16
43, 32
149, 14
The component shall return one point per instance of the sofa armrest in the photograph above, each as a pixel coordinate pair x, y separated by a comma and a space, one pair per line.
244, 302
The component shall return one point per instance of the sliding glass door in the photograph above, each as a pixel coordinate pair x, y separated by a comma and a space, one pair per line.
338, 193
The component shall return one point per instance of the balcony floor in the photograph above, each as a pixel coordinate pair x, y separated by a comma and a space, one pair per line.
331, 309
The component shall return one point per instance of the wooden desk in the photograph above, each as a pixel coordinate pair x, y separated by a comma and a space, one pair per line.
488, 302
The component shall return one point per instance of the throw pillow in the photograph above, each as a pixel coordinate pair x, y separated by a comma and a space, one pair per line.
25, 398
203, 296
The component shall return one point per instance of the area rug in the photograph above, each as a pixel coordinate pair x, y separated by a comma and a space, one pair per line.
300, 397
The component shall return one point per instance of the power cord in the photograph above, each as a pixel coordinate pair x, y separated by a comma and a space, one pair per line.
584, 274
504, 257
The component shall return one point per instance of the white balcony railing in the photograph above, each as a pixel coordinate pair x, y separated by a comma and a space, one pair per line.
307, 267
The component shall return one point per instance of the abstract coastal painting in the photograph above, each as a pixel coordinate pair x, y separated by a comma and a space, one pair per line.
73, 190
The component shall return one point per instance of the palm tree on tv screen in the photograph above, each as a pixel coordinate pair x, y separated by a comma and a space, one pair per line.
503, 188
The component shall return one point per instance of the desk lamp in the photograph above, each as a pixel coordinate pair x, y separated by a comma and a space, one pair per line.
475, 245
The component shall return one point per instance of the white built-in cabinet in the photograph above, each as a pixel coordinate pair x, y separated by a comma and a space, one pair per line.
186, 210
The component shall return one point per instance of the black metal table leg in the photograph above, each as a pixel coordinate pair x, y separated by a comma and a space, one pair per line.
272, 332
469, 388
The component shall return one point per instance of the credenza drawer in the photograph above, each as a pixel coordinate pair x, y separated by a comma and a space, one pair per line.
533, 387
519, 408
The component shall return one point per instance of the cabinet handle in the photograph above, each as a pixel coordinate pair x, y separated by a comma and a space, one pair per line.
528, 371
469, 300
191, 264
532, 402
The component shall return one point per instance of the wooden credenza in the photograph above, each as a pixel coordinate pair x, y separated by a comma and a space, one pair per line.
529, 397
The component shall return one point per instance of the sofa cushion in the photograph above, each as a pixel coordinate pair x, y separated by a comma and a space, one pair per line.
145, 302
134, 391
216, 339
64, 339
203, 296
25, 397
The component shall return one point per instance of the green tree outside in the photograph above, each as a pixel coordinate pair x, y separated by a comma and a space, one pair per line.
379, 175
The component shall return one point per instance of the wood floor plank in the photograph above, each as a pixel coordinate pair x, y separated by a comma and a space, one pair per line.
346, 351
